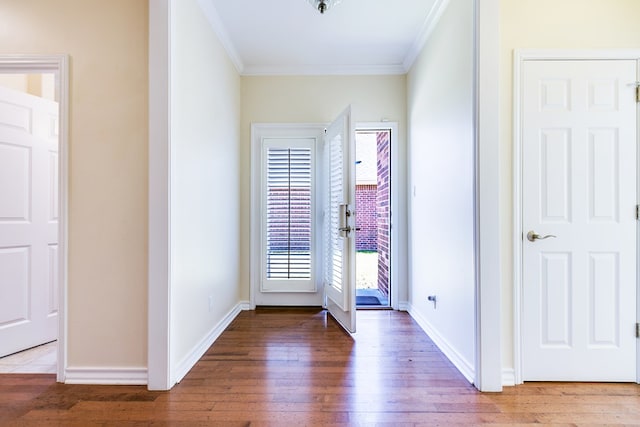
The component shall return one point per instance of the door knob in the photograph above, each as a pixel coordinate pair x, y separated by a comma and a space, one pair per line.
532, 236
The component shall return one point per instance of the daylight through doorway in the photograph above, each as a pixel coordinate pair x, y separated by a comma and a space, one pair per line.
373, 218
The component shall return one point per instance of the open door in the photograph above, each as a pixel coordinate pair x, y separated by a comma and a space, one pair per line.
339, 222
28, 221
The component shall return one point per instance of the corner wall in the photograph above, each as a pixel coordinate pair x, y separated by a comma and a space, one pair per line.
441, 156
204, 187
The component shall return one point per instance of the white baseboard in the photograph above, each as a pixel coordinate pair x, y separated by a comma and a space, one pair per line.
447, 349
508, 377
199, 349
403, 306
106, 376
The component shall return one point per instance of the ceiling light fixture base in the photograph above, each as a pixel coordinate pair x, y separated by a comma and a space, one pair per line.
323, 5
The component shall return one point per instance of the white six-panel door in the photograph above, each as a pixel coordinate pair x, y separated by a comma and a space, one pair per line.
28, 221
579, 191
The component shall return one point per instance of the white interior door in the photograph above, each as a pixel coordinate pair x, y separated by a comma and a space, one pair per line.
339, 222
28, 221
579, 192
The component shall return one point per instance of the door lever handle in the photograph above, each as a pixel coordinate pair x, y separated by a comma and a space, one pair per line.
532, 236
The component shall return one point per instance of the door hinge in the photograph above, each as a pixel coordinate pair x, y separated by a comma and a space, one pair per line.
637, 211
637, 330
637, 92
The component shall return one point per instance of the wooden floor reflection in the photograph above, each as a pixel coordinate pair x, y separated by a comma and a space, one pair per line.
297, 367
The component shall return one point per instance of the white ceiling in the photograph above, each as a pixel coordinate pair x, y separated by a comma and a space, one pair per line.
291, 37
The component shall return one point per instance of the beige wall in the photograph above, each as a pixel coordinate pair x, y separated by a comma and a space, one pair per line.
566, 24
309, 99
205, 190
107, 45
441, 146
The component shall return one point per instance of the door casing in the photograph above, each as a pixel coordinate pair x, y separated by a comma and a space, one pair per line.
520, 56
59, 66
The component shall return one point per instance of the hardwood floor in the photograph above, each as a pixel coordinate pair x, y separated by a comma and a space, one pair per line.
297, 367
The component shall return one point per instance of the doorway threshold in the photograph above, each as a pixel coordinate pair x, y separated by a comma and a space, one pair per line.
371, 299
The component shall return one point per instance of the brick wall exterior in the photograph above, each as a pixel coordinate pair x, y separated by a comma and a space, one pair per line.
383, 210
367, 237
373, 212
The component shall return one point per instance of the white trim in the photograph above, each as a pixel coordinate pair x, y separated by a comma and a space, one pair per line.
517, 222
488, 224
218, 27
574, 55
396, 213
403, 305
464, 366
58, 65
436, 12
159, 261
638, 230
107, 376
322, 70
519, 57
196, 353
508, 377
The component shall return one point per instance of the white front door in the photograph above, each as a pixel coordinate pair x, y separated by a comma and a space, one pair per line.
579, 195
28, 221
339, 221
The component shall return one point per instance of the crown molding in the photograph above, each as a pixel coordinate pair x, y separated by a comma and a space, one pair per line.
322, 70
436, 12
219, 28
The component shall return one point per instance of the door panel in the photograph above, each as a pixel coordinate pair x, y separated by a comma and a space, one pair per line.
579, 196
339, 223
28, 221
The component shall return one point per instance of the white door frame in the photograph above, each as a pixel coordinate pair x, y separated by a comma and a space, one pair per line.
520, 56
396, 215
59, 66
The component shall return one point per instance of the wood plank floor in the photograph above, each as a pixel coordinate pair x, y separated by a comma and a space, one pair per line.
297, 368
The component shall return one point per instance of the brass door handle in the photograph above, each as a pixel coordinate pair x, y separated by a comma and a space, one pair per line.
532, 236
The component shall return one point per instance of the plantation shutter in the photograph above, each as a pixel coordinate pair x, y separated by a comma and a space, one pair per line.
288, 214
333, 242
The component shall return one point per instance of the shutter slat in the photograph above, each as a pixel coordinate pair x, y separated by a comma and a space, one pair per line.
289, 216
